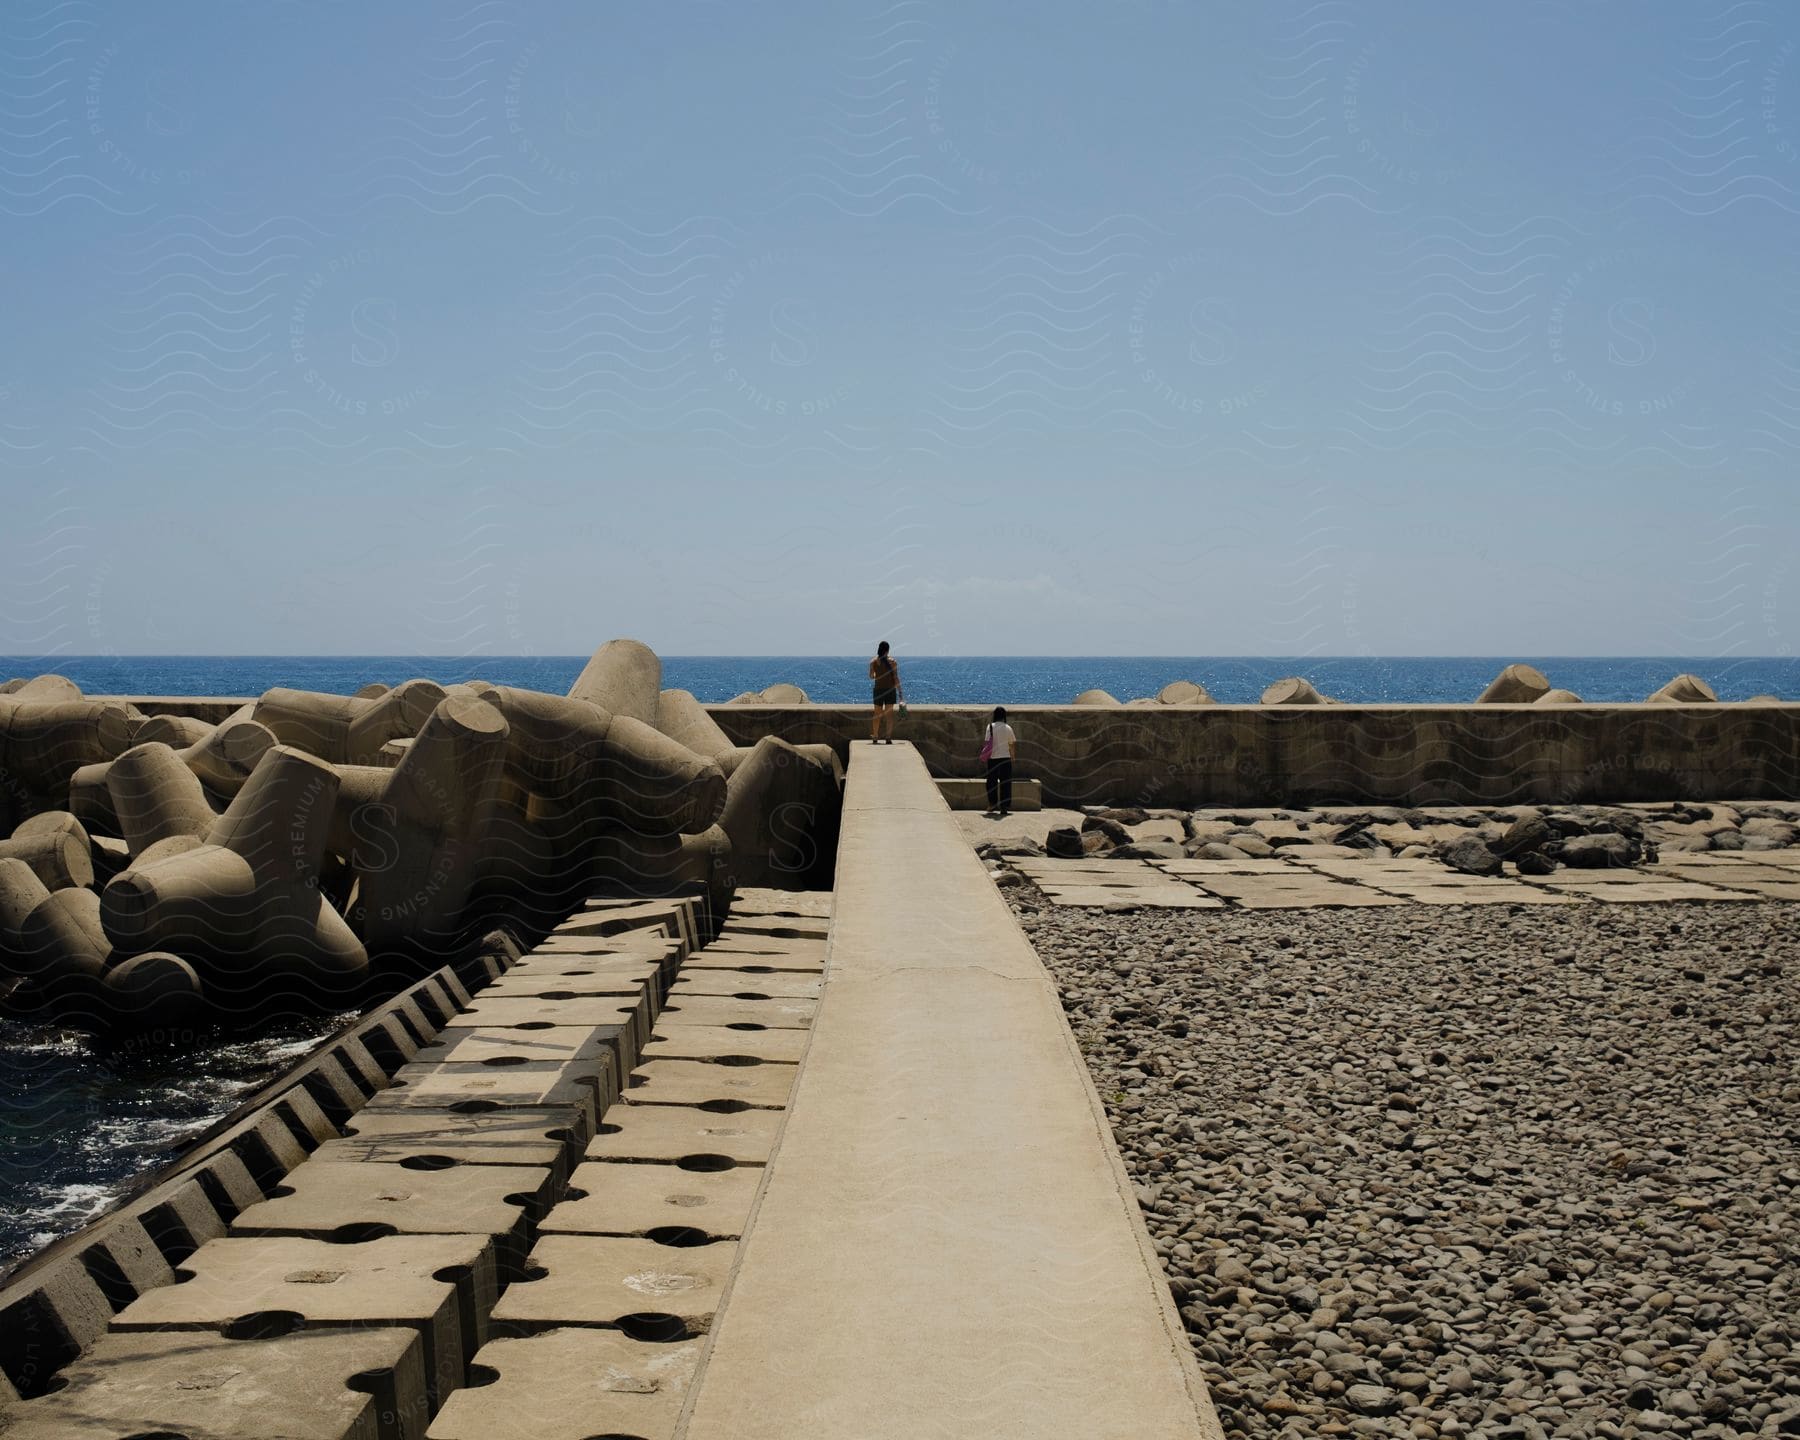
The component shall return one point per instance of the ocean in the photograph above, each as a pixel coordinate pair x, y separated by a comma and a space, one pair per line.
936, 679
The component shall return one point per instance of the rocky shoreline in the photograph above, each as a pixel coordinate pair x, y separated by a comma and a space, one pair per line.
1439, 1173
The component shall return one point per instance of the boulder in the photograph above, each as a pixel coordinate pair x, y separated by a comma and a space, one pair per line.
1781, 832
1598, 852
1534, 862
1292, 691
1213, 850
1522, 836
1684, 690
1150, 850
1115, 833
1064, 842
1515, 685
1470, 856
1253, 846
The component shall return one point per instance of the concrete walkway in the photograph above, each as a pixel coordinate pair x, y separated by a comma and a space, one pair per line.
947, 1244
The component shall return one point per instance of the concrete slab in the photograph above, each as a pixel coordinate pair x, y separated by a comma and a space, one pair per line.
960, 794
741, 983
669, 1132
776, 1013
567, 982
588, 1085
914, 1269
709, 1042
573, 1384
626, 1199
1481, 895
506, 1137
605, 917
507, 1012
602, 1279
1770, 889
756, 962
1642, 891
346, 1202
202, 1387
464, 1045
723, 1088
1200, 869
1034, 825
1145, 896
756, 900
443, 1286
1728, 875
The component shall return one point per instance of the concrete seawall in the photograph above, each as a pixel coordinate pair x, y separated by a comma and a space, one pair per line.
1255, 755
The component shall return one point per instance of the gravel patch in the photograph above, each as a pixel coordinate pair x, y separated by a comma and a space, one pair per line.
1496, 1172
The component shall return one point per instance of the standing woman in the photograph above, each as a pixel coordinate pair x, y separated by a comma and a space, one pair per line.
884, 675
997, 749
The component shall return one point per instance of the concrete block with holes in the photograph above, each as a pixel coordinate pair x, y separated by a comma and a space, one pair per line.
670, 1132
442, 1286
769, 1044
706, 1084
661, 1288
571, 1384
357, 1384
778, 1013
714, 1197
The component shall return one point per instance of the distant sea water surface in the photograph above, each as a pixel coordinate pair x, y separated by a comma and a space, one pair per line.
936, 679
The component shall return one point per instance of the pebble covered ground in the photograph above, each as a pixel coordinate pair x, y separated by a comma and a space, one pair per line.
1435, 1172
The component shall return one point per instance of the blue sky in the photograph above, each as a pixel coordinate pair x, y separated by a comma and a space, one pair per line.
1339, 328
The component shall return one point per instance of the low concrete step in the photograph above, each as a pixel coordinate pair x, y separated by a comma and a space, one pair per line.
972, 794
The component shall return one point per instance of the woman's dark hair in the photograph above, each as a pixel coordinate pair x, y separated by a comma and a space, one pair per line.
999, 712
881, 650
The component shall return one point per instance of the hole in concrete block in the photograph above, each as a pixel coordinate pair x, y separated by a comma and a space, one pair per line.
757, 969
788, 933
706, 1164
476, 1107
678, 1237
535, 1025
357, 1233
279, 1192
748, 995
104, 1271
723, 1107
612, 1435
737, 1060
480, 1375
506, 1060
559, 995
181, 1275
528, 1272
606, 1127
429, 1162
265, 1325
156, 1435
654, 1327
574, 1192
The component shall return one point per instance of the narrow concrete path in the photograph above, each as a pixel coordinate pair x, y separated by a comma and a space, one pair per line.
947, 1244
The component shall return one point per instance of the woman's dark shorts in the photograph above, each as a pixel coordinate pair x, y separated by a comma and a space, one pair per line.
887, 697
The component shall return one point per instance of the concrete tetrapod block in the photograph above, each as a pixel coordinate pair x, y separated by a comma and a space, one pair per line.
343, 729
245, 906
1292, 691
176, 731
1684, 690
649, 1291
440, 801
1515, 685
222, 760
625, 677
609, 1198
649, 866
673, 1132
782, 812
43, 743
45, 689
155, 796
1095, 697
1558, 697
313, 1385
442, 1286
573, 1384
712, 1088
59, 857
684, 719
348, 1202
1184, 692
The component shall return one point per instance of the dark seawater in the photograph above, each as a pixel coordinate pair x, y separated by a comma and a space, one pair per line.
933, 679
79, 1122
